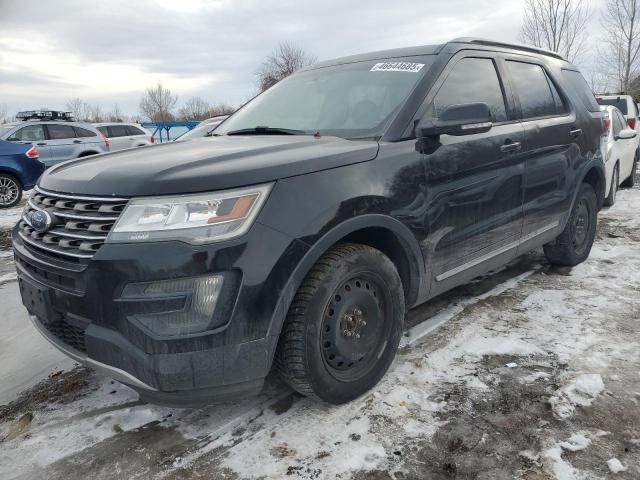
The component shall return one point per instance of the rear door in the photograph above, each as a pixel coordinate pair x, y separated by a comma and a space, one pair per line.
552, 143
63, 142
140, 137
474, 182
625, 148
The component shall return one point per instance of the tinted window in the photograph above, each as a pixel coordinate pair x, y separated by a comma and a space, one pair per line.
58, 132
83, 132
471, 80
30, 133
576, 83
118, 131
103, 130
538, 97
134, 130
619, 103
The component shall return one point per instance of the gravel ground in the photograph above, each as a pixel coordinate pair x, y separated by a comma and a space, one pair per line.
532, 372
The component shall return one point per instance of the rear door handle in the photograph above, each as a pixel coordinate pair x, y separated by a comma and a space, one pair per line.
41, 144
576, 133
77, 141
511, 147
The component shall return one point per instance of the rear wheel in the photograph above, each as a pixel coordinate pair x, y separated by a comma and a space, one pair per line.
573, 245
10, 190
631, 181
613, 191
344, 325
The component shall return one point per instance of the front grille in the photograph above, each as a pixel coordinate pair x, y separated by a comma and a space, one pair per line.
70, 335
80, 227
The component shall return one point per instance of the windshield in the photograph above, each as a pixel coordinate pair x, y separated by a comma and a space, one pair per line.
4, 129
350, 100
197, 132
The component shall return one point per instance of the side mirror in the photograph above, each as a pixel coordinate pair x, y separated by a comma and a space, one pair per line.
626, 134
464, 119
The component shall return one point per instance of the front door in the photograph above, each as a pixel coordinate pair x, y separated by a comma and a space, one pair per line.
34, 134
474, 183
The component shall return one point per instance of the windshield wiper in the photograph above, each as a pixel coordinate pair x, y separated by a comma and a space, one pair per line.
260, 130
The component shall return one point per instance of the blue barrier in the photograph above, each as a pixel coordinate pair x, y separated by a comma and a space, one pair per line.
167, 126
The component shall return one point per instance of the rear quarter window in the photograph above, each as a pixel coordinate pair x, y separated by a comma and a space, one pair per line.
103, 130
575, 82
118, 131
84, 133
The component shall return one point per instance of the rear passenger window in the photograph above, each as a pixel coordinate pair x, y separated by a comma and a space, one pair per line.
134, 130
471, 80
59, 132
537, 94
83, 132
118, 131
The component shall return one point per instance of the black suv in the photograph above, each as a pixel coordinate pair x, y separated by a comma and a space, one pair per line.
303, 230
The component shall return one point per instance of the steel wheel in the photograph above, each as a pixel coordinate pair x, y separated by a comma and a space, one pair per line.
355, 326
10, 191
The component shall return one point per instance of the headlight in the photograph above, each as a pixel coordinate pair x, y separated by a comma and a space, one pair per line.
197, 218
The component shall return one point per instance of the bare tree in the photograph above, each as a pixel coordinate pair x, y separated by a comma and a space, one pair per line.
115, 115
158, 103
621, 20
80, 109
557, 25
194, 109
220, 109
285, 60
3, 113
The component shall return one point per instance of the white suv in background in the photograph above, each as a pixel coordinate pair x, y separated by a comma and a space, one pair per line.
627, 106
125, 135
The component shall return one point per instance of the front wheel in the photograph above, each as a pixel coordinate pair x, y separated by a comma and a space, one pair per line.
344, 325
10, 191
574, 244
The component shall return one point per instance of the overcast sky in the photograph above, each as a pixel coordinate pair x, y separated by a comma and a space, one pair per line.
108, 52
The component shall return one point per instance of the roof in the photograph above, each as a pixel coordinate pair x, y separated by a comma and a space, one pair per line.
433, 50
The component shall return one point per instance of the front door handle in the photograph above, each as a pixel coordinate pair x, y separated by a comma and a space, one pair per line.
77, 141
41, 144
576, 133
511, 147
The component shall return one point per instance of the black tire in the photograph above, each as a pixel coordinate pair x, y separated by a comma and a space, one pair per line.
10, 190
613, 191
344, 325
631, 181
574, 244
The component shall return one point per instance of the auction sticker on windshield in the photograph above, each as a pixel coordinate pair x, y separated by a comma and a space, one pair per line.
397, 67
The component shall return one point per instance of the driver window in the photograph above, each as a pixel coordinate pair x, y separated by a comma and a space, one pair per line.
471, 80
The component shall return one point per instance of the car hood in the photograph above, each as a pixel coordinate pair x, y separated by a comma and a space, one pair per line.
205, 164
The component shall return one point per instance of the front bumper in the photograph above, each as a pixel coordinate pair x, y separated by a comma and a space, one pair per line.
83, 317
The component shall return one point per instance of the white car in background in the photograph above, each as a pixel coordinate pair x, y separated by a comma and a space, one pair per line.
125, 135
620, 152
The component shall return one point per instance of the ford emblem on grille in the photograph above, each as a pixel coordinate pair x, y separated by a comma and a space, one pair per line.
41, 220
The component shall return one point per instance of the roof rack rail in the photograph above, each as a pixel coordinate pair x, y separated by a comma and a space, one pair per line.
45, 115
518, 46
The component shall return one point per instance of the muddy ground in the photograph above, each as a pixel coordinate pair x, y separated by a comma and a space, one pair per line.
532, 373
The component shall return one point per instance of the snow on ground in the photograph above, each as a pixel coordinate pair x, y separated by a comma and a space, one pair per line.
532, 373
10, 216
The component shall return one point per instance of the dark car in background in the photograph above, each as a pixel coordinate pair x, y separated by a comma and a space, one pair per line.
19, 171
302, 231
56, 135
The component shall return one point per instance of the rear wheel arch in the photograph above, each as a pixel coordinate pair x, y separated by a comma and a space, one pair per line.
595, 177
87, 153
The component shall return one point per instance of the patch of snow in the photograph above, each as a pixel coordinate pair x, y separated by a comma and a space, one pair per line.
581, 391
535, 376
511, 365
6, 253
616, 466
562, 470
577, 441
8, 277
497, 345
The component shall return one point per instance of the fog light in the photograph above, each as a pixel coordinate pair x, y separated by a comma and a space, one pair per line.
188, 303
